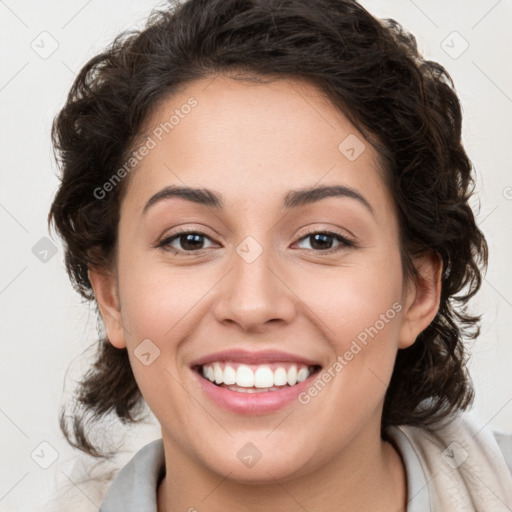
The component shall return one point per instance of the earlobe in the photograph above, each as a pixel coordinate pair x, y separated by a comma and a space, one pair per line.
105, 291
421, 298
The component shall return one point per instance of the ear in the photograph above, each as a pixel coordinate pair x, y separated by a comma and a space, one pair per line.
422, 296
104, 285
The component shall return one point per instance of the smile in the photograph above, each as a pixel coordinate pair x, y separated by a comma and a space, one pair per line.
244, 378
254, 383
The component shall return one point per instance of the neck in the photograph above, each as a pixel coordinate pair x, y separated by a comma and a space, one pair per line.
364, 476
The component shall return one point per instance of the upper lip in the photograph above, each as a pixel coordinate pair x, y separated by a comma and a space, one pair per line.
247, 357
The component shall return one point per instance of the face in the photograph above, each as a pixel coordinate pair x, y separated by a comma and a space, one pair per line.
267, 280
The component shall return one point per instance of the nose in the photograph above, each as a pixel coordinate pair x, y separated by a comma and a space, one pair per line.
255, 294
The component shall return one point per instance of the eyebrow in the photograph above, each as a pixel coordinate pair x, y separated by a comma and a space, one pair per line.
293, 199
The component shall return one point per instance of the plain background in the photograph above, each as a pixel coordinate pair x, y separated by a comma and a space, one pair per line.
45, 327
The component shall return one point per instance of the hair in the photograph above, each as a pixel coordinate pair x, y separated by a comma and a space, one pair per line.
371, 70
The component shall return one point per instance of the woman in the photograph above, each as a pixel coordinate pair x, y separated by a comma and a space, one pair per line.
268, 202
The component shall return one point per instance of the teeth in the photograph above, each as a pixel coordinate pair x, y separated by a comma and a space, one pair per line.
302, 375
217, 371
262, 376
229, 375
244, 377
292, 375
280, 377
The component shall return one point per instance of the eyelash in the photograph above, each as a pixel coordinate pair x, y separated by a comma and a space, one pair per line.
345, 242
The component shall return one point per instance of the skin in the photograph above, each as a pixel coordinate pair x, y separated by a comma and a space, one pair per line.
252, 143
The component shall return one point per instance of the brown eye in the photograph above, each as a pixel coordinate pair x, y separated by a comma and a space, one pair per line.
187, 241
322, 241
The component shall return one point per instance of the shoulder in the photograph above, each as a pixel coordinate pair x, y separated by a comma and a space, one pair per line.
504, 441
465, 462
463, 436
135, 485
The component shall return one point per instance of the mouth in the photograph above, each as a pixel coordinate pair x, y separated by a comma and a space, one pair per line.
250, 383
256, 378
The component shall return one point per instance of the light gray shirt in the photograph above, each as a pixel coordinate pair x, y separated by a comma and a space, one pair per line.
450, 483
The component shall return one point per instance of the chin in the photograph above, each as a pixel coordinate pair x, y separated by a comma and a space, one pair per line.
259, 463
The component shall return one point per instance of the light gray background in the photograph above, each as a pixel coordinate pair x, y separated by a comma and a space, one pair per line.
45, 327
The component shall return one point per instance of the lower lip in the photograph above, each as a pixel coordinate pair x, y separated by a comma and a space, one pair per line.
253, 403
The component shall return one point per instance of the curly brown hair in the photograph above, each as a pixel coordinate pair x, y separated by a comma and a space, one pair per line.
371, 70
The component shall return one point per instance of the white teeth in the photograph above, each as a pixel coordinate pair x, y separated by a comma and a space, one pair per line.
302, 375
217, 371
264, 377
280, 378
292, 375
261, 377
229, 375
244, 377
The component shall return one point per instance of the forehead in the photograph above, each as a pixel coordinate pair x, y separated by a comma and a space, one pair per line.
252, 141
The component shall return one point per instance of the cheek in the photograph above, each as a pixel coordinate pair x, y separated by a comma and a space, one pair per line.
158, 299
160, 311
351, 300
360, 309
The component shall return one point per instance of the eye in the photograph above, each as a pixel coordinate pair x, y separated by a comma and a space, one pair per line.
190, 241
322, 241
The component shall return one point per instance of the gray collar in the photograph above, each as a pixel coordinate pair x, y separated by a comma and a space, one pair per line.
134, 488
